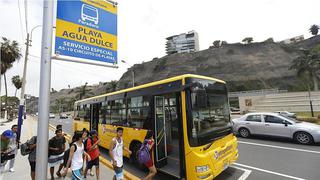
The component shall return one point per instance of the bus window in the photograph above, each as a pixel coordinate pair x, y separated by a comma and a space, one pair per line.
138, 111
209, 118
118, 112
76, 114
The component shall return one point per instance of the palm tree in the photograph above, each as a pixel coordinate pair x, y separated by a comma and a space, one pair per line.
10, 52
308, 65
17, 82
111, 86
314, 29
83, 91
247, 40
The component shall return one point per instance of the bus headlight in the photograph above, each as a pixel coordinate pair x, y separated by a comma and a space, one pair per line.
201, 169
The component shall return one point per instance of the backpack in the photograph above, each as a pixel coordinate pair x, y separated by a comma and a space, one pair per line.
143, 153
24, 149
67, 153
85, 143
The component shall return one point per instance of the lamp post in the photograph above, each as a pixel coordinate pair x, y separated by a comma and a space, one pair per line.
22, 99
132, 72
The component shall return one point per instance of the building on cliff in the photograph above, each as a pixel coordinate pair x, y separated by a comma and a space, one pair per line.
186, 42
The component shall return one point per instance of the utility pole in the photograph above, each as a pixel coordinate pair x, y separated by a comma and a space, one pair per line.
21, 104
44, 93
311, 106
0, 83
132, 71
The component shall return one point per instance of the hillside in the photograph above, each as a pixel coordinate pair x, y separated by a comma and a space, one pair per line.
243, 66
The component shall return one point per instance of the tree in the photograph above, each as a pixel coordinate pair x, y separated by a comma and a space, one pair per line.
247, 40
112, 86
60, 104
70, 104
10, 52
314, 29
216, 43
307, 66
83, 91
17, 82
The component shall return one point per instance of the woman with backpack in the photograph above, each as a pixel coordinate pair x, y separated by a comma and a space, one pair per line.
76, 156
147, 146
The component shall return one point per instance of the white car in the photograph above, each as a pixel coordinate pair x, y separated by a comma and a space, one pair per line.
63, 116
274, 124
51, 116
286, 113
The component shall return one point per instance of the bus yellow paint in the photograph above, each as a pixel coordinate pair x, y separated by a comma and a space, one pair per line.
211, 160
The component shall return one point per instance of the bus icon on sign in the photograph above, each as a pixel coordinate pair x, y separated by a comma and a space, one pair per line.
89, 13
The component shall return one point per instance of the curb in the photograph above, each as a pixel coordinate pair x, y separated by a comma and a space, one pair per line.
103, 160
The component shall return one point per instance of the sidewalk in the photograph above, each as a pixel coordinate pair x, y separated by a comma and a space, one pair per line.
22, 167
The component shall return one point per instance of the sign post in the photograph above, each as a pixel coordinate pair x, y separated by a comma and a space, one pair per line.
44, 94
86, 30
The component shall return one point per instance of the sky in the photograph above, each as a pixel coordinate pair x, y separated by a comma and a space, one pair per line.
143, 26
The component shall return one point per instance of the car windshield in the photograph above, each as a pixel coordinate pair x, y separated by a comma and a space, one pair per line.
290, 118
209, 117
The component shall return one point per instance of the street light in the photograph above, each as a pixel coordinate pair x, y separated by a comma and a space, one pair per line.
132, 71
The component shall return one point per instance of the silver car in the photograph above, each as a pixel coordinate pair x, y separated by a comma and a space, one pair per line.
274, 124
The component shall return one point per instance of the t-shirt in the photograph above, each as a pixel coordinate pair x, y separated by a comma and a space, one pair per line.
94, 153
57, 142
32, 155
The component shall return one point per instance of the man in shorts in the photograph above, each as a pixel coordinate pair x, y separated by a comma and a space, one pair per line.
57, 147
116, 153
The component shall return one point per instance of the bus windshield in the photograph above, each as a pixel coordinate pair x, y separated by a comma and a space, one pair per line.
209, 118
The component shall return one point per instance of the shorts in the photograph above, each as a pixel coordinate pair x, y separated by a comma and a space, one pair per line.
32, 166
149, 163
76, 174
94, 162
118, 173
55, 160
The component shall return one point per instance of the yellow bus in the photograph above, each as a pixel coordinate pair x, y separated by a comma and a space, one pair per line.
189, 115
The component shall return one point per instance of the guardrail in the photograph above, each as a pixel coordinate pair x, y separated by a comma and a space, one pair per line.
256, 92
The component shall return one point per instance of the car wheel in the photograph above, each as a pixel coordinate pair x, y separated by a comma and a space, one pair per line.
303, 138
244, 132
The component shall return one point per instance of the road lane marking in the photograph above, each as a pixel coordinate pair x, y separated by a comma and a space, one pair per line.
279, 147
267, 171
246, 173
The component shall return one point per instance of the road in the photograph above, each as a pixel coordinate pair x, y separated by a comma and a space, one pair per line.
260, 158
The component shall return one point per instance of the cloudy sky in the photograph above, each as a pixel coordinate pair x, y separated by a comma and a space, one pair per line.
143, 26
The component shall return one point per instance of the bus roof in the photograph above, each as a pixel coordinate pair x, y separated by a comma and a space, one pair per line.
175, 78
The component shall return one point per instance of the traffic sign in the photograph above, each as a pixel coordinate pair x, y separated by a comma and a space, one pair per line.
87, 29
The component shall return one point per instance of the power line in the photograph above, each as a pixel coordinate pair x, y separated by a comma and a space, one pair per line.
21, 26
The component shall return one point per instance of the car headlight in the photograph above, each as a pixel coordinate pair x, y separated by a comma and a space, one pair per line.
201, 169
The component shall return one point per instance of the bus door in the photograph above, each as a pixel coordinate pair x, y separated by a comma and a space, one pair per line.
160, 132
168, 139
94, 120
